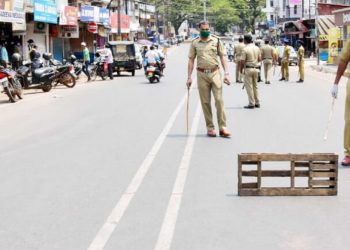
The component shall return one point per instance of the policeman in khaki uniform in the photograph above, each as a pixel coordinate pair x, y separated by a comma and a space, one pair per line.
207, 48
237, 59
301, 52
267, 55
250, 63
285, 61
344, 60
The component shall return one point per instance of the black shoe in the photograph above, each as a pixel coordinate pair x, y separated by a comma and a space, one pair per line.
282, 79
268, 82
257, 105
249, 107
260, 81
300, 81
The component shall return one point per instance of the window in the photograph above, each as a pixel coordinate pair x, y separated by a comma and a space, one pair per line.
271, 3
271, 17
295, 10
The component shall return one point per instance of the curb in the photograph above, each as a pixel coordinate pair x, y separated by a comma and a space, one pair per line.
324, 69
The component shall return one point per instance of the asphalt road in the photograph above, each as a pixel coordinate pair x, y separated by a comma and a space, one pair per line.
108, 165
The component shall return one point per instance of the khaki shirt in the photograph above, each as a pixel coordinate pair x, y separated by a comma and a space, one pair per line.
267, 52
345, 52
250, 55
207, 52
238, 49
286, 51
301, 52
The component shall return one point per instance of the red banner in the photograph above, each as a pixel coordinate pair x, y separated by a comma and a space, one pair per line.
69, 16
125, 23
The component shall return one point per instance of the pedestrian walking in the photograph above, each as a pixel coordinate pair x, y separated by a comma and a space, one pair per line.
344, 60
4, 54
301, 52
237, 59
285, 61
250, 64
267, 55
109, 60
86, 61
207, 48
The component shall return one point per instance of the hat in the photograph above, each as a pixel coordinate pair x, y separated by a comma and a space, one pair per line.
285, 40
300, 41
83, 43
30, 41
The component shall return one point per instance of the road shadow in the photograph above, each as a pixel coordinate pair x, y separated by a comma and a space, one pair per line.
4, 101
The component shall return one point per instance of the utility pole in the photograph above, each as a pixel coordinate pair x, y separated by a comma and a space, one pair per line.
204, 9
119, 22
302, 9
156, 20
317, 33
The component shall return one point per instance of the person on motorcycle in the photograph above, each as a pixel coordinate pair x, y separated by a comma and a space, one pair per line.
230, 52
144, 52
152, 57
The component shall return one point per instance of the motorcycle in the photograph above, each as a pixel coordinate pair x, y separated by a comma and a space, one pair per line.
67, 79
77, 64
10, 84
153, 73
44, 78
99, 67
230, 54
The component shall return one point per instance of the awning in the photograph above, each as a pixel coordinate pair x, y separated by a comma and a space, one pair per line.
324, 25
294, 27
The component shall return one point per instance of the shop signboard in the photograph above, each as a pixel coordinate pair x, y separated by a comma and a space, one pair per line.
94, 14
125, 23
19, 29
12, 11
103, 15
87, 14
333, 44
69, 16
68, 31
45, 11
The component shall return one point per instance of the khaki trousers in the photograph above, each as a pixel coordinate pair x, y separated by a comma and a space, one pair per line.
238, 68
301, 69
267, 69
207, 83
285, 68
347, 121
250, 83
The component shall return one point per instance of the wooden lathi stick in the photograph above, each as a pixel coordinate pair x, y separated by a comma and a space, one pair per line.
329, 120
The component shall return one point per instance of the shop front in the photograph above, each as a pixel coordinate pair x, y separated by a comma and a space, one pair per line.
12, 15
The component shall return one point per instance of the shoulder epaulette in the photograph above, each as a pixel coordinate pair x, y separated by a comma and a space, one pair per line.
195, 38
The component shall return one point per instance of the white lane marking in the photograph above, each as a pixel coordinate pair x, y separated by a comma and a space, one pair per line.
167, 231
114, 218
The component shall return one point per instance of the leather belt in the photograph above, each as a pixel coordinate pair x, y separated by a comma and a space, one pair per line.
251, 67
208, 70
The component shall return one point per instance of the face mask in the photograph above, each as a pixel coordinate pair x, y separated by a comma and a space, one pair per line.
205, 33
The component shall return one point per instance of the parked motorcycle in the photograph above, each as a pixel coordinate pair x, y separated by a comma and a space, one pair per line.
99, 68
77, 64
10, 84
153, 73
67, 79
44, 78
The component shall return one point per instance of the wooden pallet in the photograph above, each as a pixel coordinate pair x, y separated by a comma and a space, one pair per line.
317, 166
